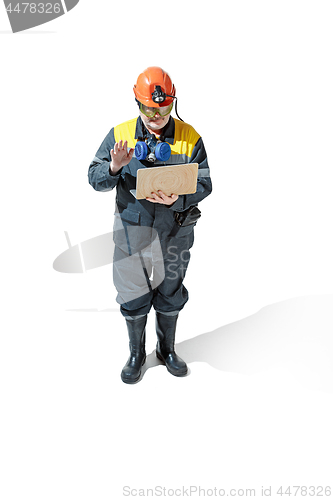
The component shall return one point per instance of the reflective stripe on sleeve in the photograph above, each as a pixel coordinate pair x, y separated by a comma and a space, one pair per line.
203, 172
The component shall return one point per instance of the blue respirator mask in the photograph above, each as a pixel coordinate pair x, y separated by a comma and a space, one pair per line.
152, 149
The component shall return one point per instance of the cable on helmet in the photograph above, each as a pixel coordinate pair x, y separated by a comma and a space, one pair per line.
159, 96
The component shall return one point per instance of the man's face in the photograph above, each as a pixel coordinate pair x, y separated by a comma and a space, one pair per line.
155, 123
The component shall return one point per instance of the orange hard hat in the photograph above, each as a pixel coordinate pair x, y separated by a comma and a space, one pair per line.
146, 86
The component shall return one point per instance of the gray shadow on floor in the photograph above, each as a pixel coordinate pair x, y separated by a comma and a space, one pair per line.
26, 33
296, 334
94, 309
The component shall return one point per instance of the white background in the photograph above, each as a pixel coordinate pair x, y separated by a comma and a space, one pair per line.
255, 79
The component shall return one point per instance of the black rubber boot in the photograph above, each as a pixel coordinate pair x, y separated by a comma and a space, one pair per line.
137, 339
165, 348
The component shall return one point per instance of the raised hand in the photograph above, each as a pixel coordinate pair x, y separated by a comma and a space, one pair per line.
120, 156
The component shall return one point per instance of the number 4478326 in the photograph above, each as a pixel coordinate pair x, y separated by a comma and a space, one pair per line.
32, 8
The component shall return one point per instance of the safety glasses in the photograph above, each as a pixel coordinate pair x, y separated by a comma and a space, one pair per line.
151, 112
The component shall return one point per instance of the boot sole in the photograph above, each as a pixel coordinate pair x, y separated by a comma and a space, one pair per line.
182, 374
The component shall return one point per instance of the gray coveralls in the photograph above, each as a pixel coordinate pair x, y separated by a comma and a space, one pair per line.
143, 245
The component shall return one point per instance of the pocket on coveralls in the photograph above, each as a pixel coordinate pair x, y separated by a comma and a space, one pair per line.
128, 234
125, 229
